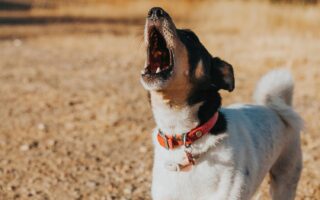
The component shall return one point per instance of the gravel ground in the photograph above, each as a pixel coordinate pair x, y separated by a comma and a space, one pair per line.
75, 121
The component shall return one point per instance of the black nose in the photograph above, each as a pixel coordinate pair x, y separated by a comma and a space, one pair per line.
156, 12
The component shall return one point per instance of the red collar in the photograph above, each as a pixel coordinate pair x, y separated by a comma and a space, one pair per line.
186, 139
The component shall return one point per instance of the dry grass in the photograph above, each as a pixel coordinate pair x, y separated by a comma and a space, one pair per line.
74, 120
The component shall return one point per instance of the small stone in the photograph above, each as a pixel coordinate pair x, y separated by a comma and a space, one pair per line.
91, 184
51, 143
143, 149
2, 143
69, 126
24, 147
76, 193
34, 144
127, 190
12, 188
5, 162
17, 42
42, 127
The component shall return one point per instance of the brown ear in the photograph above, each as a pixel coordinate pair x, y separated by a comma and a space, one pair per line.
222, 74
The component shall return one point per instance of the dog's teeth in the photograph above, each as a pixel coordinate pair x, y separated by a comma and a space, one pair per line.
158, 70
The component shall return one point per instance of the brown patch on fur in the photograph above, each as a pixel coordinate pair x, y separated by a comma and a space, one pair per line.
225, 72
199, 70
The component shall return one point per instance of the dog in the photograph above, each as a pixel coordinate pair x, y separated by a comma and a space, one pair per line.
201, 150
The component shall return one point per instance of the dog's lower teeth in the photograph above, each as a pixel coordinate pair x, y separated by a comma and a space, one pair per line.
158, 70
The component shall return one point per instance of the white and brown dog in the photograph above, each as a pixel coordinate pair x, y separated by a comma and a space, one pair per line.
203, 151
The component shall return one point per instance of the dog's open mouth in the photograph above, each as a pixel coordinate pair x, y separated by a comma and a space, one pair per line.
159, 56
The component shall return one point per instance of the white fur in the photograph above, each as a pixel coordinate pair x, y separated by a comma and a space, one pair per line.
173, 120
259, 139
276, 90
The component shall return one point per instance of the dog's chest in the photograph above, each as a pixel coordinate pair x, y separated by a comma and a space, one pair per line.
207, 178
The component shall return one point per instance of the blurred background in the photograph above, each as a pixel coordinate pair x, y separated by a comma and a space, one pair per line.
74, 120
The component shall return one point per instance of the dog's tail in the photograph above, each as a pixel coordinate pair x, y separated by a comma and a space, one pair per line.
275, 90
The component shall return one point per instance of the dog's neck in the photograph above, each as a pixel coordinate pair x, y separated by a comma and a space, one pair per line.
180, 118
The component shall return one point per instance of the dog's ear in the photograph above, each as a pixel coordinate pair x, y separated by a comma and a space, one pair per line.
221, 74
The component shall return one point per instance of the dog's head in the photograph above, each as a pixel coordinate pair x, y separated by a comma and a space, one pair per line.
177, 63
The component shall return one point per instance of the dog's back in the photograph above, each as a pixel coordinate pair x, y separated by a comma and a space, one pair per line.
275, 90
271, 132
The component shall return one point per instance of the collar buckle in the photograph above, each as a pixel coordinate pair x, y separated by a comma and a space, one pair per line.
184, 140
165, 139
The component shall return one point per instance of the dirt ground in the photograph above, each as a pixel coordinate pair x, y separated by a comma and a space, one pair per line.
75, 121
